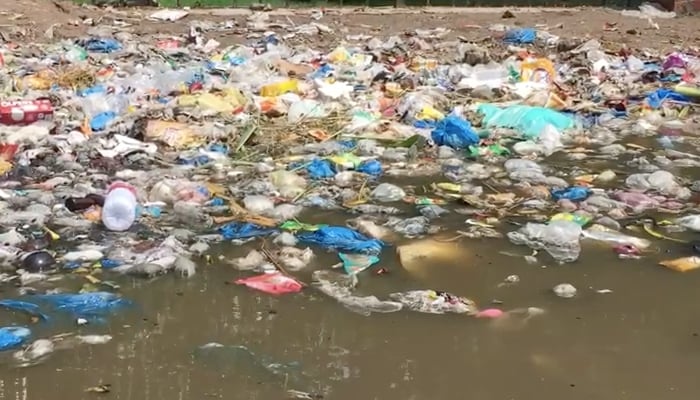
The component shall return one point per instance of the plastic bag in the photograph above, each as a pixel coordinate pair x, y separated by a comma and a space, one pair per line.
274, 283
454, 132
342, 239
520, 36
600, 233
559, 238
530, 121
100, 45
355, 263
339, 287
386, 192
13, 336
241, 360
258, 204
25, 307
434, 302
90, 304
573, 193
691, 222
295, 259
370, 167
319, 169
657, 98
244, 230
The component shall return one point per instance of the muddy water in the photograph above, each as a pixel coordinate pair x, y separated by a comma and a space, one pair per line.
642, 341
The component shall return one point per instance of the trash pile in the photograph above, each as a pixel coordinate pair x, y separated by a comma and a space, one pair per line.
138, 156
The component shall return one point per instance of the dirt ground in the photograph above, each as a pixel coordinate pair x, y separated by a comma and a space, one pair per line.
46, 20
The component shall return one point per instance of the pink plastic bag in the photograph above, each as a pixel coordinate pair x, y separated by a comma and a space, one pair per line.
274, 283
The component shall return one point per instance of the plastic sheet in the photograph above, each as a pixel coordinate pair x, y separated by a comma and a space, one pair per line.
342, 239
244, 230
529, 121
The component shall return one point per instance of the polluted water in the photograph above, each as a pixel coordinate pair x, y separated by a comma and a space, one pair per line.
305, 212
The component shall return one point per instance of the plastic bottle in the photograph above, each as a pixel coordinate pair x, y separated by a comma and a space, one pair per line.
119, 211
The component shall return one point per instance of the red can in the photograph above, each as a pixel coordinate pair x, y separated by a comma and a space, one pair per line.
17, 112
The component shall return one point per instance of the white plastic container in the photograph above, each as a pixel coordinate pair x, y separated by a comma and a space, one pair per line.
119, 211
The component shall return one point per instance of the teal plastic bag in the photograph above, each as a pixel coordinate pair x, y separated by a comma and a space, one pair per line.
529, 121
355, 263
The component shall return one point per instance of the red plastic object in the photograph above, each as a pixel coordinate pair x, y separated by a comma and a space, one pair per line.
168, 44
8, 151
274, 283
122, 185
25, 111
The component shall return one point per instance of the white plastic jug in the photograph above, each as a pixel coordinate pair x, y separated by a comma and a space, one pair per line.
119, 211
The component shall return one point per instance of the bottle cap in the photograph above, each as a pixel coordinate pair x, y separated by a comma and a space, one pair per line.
123, 185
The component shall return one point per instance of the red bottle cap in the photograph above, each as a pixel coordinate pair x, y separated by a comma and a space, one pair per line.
123, 185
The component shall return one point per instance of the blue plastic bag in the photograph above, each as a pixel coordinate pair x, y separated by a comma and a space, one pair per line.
520, 36
100, 121
529, 121
454, 132
244, 230
103, 45
656, 98
97, 89
573, 193
91, 304
197, 161
319, 169
342, 239
13, 336
23, 306
370, 167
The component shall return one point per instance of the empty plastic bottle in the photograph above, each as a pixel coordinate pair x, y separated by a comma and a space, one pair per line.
119, 211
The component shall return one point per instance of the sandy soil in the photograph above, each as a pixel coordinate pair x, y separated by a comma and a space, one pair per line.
45, 20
